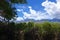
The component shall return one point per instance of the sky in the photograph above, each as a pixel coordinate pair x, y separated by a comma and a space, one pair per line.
38, 10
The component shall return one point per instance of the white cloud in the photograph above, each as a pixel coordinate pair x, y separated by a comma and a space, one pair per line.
36, 15
30, 7
53, 9
19, 19
19, 10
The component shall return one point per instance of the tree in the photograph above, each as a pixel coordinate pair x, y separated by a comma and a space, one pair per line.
30, 25
6, 14
6, 11
20, 28
49, 34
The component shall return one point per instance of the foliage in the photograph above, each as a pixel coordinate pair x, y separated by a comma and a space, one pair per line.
41, 31
30, 24
21, 26
6, 10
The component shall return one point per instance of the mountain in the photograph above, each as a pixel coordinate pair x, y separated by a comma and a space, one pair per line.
50, 20
55, 20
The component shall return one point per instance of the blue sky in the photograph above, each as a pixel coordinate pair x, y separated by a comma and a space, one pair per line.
38, 10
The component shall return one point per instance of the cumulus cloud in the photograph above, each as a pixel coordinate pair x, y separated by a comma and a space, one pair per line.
52, 8
19, 10
19, 19
36, 15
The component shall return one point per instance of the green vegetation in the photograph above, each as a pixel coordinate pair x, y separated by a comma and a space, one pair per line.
32, 31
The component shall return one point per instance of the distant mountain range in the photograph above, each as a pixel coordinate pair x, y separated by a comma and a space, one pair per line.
50, 20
